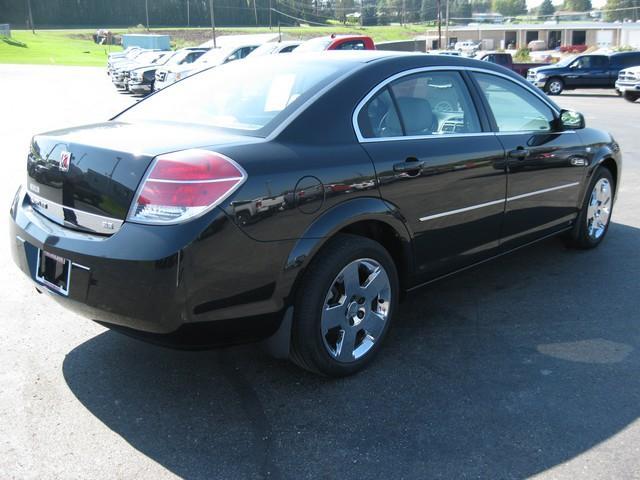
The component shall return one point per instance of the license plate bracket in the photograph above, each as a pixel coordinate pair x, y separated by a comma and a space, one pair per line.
54, 272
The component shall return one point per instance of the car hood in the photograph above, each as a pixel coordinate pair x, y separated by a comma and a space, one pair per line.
546, 69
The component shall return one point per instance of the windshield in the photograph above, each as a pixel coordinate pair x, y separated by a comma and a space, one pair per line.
266, 49
234, 97
566, 61
148, 57
215, 56
314, 45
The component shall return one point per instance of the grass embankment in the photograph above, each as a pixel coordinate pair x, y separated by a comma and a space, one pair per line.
75, 47
51, 48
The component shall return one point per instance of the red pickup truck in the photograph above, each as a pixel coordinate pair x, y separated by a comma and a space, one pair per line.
506, 60
337, 42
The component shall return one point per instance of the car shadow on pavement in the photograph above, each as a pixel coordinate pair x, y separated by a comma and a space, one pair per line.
503, 372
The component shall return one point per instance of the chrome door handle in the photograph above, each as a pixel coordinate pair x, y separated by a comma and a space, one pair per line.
411, 164
519, 153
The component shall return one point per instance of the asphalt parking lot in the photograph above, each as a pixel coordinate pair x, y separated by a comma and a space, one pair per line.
529, 365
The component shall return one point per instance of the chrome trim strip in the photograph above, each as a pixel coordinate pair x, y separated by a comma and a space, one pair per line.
538, 192
82, 267
423, 137
461, 210
159, 180
495, 202
84, 220
384, 83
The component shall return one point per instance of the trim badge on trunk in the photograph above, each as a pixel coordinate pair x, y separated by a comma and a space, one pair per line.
65, 160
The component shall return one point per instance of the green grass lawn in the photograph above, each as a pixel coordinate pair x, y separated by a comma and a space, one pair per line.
51, 48
75, 47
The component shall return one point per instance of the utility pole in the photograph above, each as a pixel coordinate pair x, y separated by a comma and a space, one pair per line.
213, 23
146, 11
361, 13
270, 9
403, 19
446, 26
30, 17
255, 11
188, 19
439, 20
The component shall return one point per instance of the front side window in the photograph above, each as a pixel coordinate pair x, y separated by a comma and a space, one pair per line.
514, 108
429, 103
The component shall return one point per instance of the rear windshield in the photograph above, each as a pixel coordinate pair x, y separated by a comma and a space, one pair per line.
247, 96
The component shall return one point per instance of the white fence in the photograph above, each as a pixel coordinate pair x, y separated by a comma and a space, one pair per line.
5, 29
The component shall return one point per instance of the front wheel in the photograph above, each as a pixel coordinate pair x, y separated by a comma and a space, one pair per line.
592, 223
554, 86
631, 96
344, 306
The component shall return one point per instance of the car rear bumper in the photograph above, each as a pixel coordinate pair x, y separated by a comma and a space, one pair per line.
166, 284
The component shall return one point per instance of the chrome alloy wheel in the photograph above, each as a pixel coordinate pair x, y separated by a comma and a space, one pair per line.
555, 87
599, 209
355, 310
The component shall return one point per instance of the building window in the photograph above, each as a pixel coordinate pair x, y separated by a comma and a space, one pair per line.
579, 37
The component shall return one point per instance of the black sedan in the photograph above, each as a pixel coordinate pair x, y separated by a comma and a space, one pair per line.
295, 199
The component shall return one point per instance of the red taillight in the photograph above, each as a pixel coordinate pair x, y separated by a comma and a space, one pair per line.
184, 184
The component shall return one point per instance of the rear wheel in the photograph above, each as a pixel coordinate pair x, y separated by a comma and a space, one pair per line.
554, 86
344, 306
593, 222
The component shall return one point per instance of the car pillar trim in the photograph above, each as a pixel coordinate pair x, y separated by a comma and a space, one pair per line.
449, 68
496, 202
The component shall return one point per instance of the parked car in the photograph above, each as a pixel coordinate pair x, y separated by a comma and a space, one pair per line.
628, 83
337, 42
213, 58
159, 244
537, 45
506, 60
125, 56
271, 48
121, 71
583, 71
467, 47
142, 79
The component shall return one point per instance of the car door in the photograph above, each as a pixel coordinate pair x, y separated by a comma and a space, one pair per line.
588, 71
438, 165
545, 165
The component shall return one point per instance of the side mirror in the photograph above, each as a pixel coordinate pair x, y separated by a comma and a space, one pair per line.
570, 120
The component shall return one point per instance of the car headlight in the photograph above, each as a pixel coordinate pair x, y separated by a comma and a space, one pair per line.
540, 76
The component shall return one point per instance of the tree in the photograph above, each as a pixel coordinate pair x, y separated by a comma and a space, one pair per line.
510, 8
459, 9
577, 5
621, 15
546, 8
428, 10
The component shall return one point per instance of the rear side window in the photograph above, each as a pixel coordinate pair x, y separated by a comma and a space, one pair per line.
514, 108
429, 103
625, 60
379, 118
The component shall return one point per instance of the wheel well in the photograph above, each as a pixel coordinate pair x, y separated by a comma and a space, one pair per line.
386, 236
611, 165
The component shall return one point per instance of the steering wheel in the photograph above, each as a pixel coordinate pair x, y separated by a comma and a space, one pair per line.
443, 106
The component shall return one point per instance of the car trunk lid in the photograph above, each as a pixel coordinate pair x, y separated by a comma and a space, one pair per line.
86, 177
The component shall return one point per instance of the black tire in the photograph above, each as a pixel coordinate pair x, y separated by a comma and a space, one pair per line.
631, 96
554, 86
579, 237
308, 346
